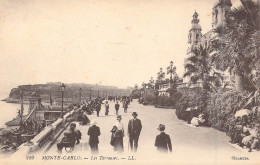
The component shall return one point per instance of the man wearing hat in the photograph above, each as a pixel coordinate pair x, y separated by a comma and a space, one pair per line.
134, 130
93, 133
163, 141
117, 107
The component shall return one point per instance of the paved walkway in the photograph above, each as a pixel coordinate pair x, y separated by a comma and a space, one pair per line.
199, 144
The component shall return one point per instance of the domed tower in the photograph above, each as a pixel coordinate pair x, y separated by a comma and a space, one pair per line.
220, 8
194, 39
195, 30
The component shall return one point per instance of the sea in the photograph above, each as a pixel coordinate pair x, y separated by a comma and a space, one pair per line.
9, 111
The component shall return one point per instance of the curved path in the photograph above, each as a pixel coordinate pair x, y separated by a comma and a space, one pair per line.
190, 145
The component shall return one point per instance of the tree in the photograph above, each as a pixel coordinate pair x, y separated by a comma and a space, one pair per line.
238, 45
199, 67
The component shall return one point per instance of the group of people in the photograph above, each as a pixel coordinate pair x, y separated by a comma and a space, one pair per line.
195, 117
246, 135
162, 141
198, 120
95, 105
134, 130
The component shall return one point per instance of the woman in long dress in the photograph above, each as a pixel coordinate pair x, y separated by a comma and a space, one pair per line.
118, 134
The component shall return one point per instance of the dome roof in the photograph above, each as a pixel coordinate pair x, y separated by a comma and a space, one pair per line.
219, 2
195, 27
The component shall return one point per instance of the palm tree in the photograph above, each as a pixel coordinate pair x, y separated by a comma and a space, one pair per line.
239, 43
160, 75
199, 68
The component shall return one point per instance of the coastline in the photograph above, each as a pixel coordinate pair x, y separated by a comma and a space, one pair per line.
9, 111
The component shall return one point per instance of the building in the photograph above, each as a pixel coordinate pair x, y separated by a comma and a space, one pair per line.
163, 89
196, 38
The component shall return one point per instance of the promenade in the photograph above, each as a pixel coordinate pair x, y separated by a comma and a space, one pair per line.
195, 143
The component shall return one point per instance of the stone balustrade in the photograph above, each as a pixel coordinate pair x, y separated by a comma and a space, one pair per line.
47, 135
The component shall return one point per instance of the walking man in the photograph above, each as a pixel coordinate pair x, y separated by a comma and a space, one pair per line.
117, 107
93, 133
98, 108
163, 141
134, 130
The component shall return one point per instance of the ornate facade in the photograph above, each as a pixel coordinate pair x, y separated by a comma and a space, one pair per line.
195, 37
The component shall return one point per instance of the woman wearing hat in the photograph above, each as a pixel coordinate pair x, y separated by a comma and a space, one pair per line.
93, 133
118, 134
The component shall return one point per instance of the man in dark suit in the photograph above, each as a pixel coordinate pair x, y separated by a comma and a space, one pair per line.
163, 141
134, 129
98, 108
93, 133
117, 107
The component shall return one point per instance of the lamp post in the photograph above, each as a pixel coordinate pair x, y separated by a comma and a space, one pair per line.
171, 70
80, 91
21, 111
90, 94
62, 89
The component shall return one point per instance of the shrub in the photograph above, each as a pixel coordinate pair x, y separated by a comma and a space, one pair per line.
220, 106
149, 96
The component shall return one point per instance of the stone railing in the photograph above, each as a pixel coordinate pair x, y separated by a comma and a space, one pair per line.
47, 135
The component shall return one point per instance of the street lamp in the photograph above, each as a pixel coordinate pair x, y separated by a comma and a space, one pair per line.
80, 91
171, 70
62, 89
90, 94
21, 111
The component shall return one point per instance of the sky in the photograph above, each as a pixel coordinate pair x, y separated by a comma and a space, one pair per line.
108, 42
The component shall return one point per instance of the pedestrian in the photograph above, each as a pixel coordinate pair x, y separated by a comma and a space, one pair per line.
125, 105
134, 130
163, 141
98, 108
107, 108
117, 107
118, 134
93, 133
